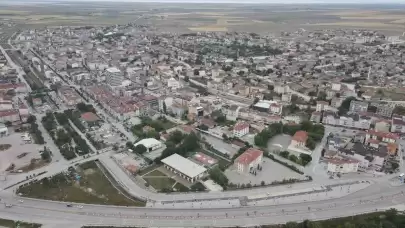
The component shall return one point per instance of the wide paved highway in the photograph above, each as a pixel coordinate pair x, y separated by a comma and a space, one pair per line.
376, 197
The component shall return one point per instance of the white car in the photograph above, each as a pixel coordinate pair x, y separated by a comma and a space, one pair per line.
79, 206
21, 201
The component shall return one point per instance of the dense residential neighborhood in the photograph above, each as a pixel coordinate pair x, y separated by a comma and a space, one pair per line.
234, 119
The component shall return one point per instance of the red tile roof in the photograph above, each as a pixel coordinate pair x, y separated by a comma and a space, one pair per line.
300, 136
381, 134
392, 148
342, 161
240, 126
10, 86
373, 141
187, 128
10, 112
249, 156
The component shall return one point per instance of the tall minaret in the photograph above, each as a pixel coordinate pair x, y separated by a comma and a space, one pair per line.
369, 73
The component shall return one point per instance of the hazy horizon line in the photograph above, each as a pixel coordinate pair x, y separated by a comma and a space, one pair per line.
278, 2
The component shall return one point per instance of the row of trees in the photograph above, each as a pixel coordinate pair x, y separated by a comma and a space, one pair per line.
63, 143
315, 133
387, 219
81, 145
345, 106
63, 136
38, 138
302, 159
189, 144
219, 177
74, 116
158, 125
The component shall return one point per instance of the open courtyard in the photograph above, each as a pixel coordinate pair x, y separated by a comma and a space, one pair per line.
162, 180
271, 171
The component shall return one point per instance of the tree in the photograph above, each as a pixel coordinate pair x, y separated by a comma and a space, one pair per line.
130, 145
306, 126
45, 155
394, 165
372, 108
284, 154
305, 159
176, 137
221, 119
344, 107
203, 127
380, 92
8, 124
186, 78
140, 149
270, 87
292, 225
81, 107
31, 119
196, 72
164, 108
218, 177
293, 158
225, 137
399, 110
312, 94
321, 96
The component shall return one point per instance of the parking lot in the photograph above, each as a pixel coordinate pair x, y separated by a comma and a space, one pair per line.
271, 171
18, 147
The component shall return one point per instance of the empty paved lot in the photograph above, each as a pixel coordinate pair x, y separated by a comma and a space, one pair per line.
271, 171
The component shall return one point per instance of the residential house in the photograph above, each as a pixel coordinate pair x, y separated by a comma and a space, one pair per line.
321, 106
398, 124
299, 139
382, 125
249, 160
366, 155
336, 102
345, 165
386, 137
276, 109
232, 112
240, 129
384, 108
281, 89
69, 96
358, 106
316, 117
286, 97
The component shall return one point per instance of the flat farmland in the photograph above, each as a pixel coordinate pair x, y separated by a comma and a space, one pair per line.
175, 17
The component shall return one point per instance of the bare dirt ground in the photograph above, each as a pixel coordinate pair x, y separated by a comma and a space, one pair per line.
7, 157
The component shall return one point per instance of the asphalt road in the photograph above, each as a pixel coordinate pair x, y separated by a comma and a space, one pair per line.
58, 213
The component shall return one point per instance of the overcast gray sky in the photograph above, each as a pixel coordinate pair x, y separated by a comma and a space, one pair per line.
245, 1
